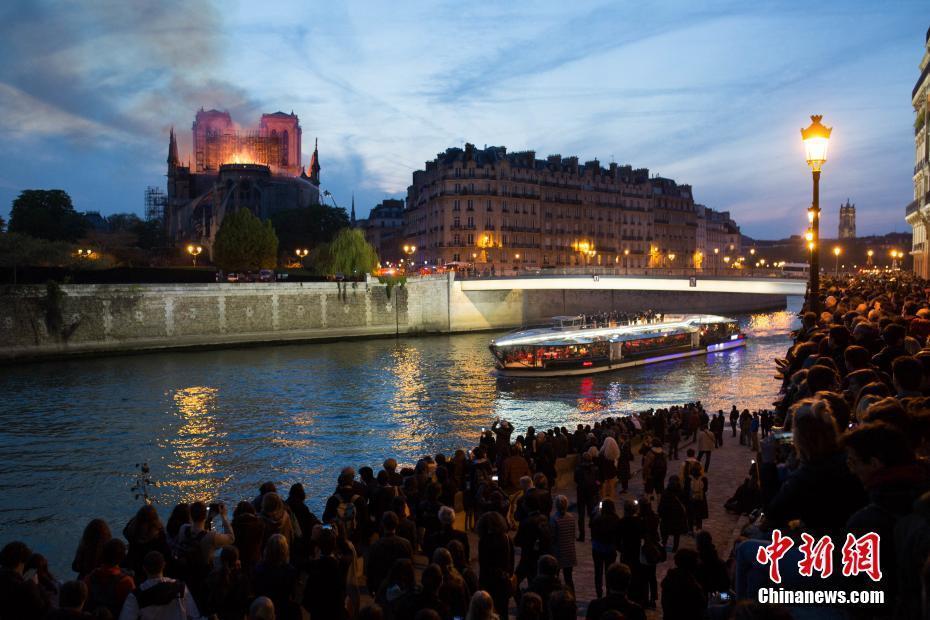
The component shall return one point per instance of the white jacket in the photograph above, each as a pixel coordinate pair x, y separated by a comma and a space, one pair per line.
178, 609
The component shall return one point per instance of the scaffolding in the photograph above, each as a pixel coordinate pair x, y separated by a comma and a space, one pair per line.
155, 203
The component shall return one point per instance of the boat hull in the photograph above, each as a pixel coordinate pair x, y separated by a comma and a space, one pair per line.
589, 370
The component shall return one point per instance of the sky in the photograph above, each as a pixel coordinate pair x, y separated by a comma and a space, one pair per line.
712, 94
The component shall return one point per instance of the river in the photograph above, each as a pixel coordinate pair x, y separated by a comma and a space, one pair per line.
213, 425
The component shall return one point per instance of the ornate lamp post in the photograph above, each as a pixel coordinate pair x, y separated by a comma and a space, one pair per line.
301, 253
869, 255
836, 253
626, 260
816, 138
194, 251
410, 250
85, 253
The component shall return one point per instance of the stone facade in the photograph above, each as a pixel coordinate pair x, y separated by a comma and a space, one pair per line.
917, 213
384, 229
511, 211
38, 322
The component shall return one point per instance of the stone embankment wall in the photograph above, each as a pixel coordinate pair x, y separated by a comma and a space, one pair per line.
49, 322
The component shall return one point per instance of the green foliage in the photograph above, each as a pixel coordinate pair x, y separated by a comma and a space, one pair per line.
2, 223
349, 254
150, 234
46, 214
17, 250
245, 243
391, 281
308, 227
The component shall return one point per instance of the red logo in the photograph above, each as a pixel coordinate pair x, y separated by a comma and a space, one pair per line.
771, 554
818, 556
860, 555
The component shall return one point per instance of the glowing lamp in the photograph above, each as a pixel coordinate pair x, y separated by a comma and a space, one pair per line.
816, 139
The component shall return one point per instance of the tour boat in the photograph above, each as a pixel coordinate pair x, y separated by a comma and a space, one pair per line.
570, 346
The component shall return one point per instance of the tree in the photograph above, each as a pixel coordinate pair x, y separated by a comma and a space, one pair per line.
244, 243
150, 234
308, 227
2, 223
46, 214
348, 254
120, 222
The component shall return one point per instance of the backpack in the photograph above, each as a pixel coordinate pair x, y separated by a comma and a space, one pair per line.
190, 562
696, 489
347, 514
160, 594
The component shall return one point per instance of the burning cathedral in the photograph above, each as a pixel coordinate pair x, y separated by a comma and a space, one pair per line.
258, 169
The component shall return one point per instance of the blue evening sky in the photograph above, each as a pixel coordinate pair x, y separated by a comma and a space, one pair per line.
708, 93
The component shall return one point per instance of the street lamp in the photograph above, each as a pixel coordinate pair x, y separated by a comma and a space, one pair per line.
816, 138
869, 257
671, 259
836, 266
194, 251
301, 253
85, 253
726, 260
894, 258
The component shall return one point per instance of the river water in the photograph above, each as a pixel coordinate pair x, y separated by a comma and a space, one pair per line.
215, 424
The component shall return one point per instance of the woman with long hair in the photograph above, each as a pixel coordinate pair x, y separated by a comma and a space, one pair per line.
275, 578
144, 533
90, 549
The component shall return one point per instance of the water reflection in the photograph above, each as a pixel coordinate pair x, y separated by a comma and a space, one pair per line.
216, 424
197, 444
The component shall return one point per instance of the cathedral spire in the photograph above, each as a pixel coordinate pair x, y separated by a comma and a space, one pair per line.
173, 159
352, 217
314, 172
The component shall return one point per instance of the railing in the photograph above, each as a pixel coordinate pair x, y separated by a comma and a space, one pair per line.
543, 272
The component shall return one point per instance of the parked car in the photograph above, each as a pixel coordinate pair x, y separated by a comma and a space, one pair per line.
232, 277
266, 275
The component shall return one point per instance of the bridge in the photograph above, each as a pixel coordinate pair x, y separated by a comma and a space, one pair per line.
739, 285
511, 301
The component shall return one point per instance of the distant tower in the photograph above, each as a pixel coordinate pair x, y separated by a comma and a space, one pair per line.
847, 221
315, 164
352, 217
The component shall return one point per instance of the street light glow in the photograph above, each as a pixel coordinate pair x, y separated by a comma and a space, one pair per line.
816, 139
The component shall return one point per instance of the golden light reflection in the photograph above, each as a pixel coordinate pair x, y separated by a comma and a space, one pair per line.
197, 444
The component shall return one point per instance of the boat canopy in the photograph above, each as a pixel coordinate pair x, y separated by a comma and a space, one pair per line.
555, 336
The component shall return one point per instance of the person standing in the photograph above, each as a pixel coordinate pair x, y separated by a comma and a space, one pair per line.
623, 463
158, 595
734, 419
716, 427
674, 437
673, 517
605, 529
587, 490
754, 432
610, 454
745, 422
562, 526
706, 444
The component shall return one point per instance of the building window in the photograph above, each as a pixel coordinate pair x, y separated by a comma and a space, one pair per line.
456, 205
455, 257
470, 239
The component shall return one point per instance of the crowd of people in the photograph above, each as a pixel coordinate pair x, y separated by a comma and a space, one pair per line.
843, 451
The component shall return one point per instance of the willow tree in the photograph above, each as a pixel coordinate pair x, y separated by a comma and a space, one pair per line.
348, 254
245, 243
